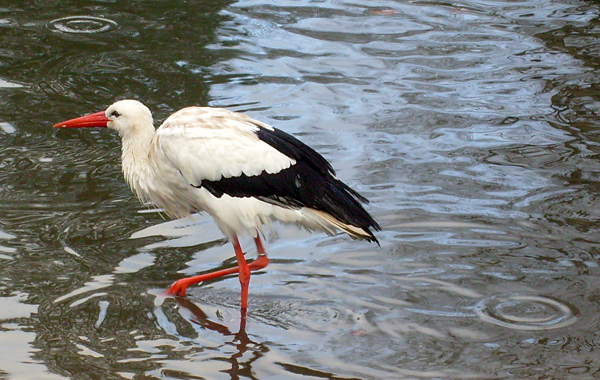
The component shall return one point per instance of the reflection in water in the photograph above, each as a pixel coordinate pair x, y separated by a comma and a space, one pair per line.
16, 340
97, 282
240, 365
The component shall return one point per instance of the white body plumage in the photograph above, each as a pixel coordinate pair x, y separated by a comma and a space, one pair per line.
167, 166
242, 172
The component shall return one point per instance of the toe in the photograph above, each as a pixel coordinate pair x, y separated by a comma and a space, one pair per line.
177, 289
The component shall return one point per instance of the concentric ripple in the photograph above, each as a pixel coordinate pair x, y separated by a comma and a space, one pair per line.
83, 24
526, 312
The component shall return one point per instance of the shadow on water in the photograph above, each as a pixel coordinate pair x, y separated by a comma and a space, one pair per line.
472, 128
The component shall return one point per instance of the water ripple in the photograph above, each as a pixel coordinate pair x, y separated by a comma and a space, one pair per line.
83, 24
526, 312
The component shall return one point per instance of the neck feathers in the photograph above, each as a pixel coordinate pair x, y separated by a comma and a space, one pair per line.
135, 159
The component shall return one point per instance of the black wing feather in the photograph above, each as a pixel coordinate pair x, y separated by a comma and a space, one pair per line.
311, 182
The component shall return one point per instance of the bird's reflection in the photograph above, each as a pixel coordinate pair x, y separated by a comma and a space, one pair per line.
240, 340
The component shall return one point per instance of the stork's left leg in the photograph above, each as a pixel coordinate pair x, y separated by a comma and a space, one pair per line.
180, 286
244, 268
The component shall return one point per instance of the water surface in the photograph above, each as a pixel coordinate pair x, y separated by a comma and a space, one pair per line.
471, 126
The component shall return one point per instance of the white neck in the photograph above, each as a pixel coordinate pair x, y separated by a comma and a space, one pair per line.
135, 157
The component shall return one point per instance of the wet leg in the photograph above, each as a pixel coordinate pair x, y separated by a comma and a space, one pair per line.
180, 286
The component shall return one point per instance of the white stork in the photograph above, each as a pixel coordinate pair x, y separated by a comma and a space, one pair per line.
242, 172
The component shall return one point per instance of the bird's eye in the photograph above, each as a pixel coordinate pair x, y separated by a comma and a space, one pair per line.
115, 114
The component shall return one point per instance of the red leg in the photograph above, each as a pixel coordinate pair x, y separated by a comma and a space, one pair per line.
245, 269
262, 260
244, 273
259, 246
180, 286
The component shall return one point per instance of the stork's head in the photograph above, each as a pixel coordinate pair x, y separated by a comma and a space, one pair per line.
124, 116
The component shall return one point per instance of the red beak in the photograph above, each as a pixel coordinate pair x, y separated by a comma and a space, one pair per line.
97, 119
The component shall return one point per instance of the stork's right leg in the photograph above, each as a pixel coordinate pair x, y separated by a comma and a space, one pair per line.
180, 286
